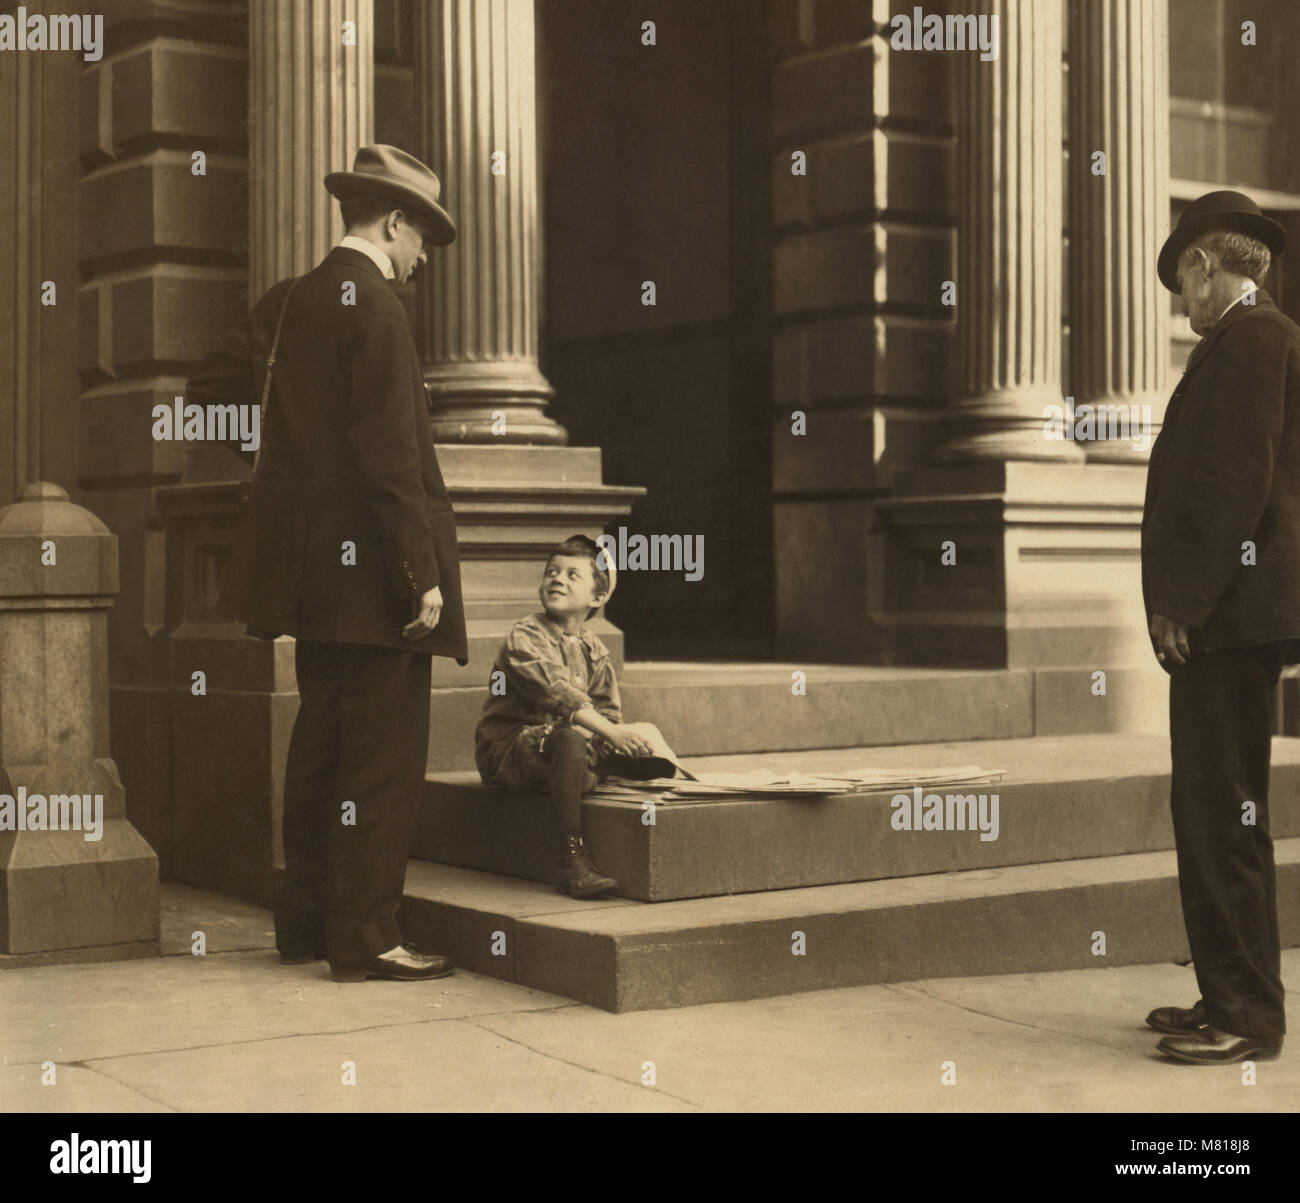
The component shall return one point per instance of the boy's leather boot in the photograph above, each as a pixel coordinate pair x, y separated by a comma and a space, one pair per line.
577, 876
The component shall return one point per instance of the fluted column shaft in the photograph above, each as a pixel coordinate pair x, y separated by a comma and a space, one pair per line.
479, 301
1009, 240
22, 187
311, 105
1119, 313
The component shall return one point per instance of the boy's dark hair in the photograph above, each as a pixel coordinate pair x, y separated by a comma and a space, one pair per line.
363, 207
580, 545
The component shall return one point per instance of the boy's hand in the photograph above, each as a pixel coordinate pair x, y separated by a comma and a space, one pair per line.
629, 743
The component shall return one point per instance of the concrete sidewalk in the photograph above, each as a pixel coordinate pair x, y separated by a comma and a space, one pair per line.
236, 1031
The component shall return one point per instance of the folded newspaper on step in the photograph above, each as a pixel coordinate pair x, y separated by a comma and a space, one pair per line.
685, 784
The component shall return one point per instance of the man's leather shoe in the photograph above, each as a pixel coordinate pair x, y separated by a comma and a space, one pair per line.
1178, 1021
1211, 1046
399, 964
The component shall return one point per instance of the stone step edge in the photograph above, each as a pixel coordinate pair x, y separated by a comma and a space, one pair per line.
703, 951
647, 920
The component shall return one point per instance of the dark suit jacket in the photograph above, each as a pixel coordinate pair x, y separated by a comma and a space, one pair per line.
1225, 469
347, 456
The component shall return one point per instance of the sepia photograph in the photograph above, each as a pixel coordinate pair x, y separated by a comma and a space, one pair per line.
628, 557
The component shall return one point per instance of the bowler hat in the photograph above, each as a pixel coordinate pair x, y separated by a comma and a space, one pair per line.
1224, 210
392, 172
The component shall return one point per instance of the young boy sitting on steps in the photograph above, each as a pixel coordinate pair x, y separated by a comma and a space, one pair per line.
559, 692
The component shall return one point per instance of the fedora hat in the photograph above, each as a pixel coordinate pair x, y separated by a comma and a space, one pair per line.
392, 172
1216, 211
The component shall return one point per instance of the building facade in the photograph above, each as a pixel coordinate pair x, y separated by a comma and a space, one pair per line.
741, 270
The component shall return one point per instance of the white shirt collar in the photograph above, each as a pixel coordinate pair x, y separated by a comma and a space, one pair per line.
1253, 293
372, 252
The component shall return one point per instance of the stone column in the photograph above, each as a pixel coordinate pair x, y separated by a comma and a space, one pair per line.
479, 297
79, 883
1119, 312
311, 100
38, 265
1009, 241
21, 89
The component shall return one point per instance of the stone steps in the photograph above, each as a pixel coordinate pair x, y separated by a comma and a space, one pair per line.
707, 709
622, 955
1063, 798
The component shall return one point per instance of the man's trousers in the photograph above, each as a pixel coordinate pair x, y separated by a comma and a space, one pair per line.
352, 786
1220, 723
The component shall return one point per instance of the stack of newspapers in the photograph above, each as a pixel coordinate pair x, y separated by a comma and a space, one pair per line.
685, 785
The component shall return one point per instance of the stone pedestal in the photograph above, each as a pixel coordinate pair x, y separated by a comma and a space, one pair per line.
231, 727
1119, 312
63, 896
1044, 574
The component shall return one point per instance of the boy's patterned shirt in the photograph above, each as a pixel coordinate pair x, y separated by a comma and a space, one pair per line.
549, 675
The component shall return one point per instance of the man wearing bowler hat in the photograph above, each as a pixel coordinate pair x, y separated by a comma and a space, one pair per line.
348, 543
1221, 583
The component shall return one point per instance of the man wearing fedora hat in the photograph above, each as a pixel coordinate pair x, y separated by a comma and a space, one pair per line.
1221, 584
348, 543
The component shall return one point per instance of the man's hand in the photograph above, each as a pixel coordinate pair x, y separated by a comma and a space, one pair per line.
427, 612
1169, 642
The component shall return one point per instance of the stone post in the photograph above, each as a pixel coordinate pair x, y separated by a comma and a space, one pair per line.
1119, 313
479, 297
63, 896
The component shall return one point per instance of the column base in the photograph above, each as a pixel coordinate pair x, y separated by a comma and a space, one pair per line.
1122, 427
491, 403
1007, 424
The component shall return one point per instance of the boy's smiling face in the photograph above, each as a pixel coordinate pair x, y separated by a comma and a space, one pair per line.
568, 587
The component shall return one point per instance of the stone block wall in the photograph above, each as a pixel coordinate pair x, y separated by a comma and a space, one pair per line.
163, 260
863, 230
